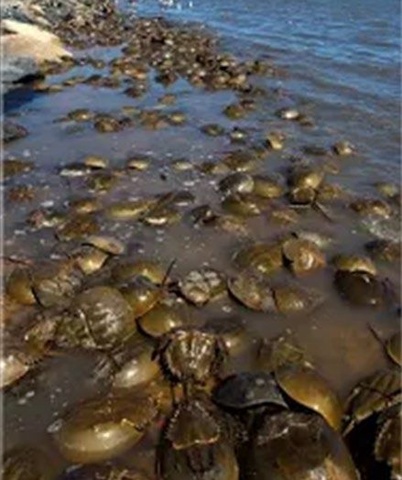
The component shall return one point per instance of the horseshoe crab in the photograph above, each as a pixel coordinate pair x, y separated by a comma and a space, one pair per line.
149, 269
191, 355
373, 394
99, 318
362, 288
372, 425
56, 283
384, 250
248, 390
292, 299
263, 258
267, 187
353, 263
303, 256
290, 445
280, 351
89, 259
195, 446
387, 448
141, 294
244, 204
160, 320
236, 183
202, 286
253, 291
231, 330
138, 368
305, 386
15, 364
102, 428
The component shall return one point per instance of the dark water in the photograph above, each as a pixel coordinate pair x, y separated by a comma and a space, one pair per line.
343, 59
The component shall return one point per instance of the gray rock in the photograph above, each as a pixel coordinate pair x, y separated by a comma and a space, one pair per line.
47, 14
15, 70
13, 131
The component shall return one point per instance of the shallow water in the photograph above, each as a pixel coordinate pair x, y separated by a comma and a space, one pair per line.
343, 58
328, 71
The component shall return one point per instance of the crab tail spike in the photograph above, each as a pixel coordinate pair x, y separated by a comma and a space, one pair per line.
186, 389
348, 428
318, 207
113, 360
375, 334
173, 395
168, 272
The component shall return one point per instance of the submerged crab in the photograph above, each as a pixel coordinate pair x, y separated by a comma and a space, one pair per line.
279, 351
364, 289
191, 355
26, 463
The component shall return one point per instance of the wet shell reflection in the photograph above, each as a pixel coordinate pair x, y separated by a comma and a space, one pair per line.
362, 288
100, 318
160, 320
307, 387
292, 445
180, 152
232, 331
253, 291
15, 363
141, 294
139, 369
101, 429
149, 269
201, 286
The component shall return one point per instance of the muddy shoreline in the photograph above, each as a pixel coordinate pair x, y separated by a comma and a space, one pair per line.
153, 136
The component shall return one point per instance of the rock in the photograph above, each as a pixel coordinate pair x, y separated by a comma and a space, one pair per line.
24, 47
24, 40
17, 70
12, 131
23, 11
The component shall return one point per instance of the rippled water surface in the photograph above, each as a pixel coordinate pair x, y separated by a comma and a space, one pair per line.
343, 60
